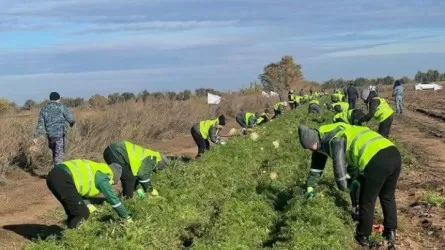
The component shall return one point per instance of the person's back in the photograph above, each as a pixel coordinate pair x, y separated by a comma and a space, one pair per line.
398, 91
398, 94
352, 92
55, 116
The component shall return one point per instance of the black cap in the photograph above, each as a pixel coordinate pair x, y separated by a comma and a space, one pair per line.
222, 120
54, 96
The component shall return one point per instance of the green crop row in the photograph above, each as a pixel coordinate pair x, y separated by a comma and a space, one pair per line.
247, 194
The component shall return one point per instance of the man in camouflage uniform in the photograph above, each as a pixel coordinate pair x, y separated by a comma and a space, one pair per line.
52, 123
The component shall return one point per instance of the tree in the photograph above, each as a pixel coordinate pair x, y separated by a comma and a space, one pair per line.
114, 98
98, 101
420, 77
281, 75
4, 105
184, 95
432, 75
126, 96
143, 95
29, 104
442, 77
171, 95
158, 95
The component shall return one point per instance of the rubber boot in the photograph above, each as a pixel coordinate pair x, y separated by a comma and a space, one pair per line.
390, 236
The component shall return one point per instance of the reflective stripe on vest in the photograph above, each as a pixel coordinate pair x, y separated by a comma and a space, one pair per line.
315, 102
383, 110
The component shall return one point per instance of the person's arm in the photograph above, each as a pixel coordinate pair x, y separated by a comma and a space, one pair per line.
144, 175
40, 128
68, 114
318, 164
373, 104
213, 134
339, 162
103, 184
252, 122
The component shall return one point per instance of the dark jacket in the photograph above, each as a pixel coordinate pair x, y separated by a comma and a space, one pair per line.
372, 104
352, 92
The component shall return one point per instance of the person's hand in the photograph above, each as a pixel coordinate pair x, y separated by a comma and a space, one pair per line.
155, 192
128, 220
310, 192
91, 208
140, 193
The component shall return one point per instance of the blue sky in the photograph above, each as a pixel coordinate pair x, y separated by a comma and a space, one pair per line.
83, 47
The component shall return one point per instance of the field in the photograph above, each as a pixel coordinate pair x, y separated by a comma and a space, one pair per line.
231, 198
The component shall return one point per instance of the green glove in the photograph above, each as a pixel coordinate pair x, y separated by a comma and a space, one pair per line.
141, 193
310, 192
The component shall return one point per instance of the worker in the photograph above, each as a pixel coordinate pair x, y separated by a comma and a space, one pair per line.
263, 118
352, 95
314, 107
278, 109
205, 130
291, 101
351, 116
337, 105
52, 122
368, 159
297, 100
137, 165
302, 92
246, 120
74, 182
305, 98
398, 94
379, 109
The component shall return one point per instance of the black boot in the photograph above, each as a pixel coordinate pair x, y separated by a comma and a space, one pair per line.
364, 241
390, 236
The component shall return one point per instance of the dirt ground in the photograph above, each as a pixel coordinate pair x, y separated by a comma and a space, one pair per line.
24, 200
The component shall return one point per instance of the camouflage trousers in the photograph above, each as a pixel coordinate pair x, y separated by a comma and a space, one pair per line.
57, 146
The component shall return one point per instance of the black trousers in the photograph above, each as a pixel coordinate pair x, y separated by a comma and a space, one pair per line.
128, 180
379, 180
203, 144
292, 105
385, 126
63, 188
240, 121
352, 102
276, 113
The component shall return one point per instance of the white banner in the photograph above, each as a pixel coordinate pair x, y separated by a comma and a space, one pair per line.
213, 99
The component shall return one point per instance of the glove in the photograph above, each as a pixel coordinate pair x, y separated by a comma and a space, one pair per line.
140, 193
128, 220
222, 142
353, 186
91, 208
310, 193
154, 192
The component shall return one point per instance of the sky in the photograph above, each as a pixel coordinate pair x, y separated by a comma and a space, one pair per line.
82, 47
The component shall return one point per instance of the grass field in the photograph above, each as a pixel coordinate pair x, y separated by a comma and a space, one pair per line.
229, 199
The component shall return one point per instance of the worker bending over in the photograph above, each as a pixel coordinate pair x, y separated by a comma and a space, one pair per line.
379, 109
278, 109
314, 107
73, 181
357, 151
137, 165
351, 116
205, 130
247, 120
337, 105
263, 117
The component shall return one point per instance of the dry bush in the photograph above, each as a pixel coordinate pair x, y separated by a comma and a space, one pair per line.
136, 121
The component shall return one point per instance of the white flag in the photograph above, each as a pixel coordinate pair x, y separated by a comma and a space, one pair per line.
264, 94
213, 99
273, 93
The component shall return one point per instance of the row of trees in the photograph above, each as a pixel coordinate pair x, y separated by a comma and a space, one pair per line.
98, 100
420, 77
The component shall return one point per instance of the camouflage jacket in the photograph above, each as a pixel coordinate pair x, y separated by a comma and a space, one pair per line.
52, 120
